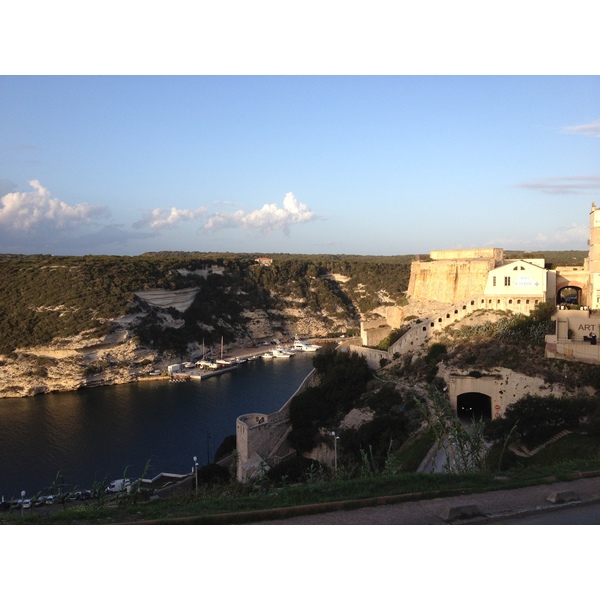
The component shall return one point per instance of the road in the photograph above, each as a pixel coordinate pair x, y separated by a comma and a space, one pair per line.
501, 506
573, 515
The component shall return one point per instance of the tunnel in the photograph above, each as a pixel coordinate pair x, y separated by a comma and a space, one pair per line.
569, 295
474, 405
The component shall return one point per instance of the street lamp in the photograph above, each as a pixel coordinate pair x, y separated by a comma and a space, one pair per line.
22, 501
335, 439
196, 473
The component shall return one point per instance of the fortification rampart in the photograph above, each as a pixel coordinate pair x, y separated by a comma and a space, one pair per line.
260, 437
497, 254
448, 280
423, 330
372, 356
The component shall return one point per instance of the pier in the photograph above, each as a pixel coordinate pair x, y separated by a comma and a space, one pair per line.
207, 374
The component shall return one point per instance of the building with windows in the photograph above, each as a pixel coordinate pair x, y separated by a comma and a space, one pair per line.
522, 279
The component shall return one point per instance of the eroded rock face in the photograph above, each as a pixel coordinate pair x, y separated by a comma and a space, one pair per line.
73, 363
82, 361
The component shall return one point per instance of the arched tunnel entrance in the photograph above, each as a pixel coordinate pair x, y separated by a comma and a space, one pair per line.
569, 295
474, 405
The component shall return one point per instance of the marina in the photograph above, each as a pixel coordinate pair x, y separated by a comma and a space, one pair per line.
97, 434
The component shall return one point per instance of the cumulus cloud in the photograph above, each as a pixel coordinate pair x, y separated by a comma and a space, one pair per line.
28, 212
589, 129
267, 219
560, 186
161, 219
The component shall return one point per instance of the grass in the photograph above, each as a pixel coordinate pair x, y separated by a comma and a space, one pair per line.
232, 503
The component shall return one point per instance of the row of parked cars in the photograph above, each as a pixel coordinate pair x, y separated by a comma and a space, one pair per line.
48, 499
114, 487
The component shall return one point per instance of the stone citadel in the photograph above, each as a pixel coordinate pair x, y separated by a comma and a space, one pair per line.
449, 286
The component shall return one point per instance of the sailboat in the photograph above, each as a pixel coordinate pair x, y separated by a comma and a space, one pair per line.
223, 361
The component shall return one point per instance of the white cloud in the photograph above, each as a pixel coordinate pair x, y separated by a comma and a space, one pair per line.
30, 212
267, 219
589, 129
559, 186
160, 219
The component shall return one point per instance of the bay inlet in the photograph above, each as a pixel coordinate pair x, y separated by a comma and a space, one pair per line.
95, 434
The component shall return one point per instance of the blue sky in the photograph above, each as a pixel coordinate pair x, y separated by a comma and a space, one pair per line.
302, 164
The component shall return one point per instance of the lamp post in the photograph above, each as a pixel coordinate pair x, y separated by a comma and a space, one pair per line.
335, 439
196, 473
208, 447
22, 501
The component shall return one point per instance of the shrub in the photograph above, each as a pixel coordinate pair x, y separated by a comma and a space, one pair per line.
535, 419
293, 470
213, 474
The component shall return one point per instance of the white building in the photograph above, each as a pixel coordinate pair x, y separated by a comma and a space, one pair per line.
523, 279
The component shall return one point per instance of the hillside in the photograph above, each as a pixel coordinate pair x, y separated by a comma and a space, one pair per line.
69, 322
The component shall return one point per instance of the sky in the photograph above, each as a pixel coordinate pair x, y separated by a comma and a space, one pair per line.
322, 163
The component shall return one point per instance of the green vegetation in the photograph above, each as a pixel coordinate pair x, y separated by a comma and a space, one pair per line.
43, 298
534, 420
343, 378
233, 503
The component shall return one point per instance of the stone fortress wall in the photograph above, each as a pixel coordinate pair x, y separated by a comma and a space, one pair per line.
261, 440
452, 275
421, 331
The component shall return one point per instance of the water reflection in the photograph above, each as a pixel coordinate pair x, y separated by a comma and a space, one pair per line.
97, 433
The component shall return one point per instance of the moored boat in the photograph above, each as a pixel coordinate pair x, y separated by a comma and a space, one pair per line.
304, 347
281, 353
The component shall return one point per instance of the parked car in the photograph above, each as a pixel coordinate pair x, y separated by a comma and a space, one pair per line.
81, 495
120, 485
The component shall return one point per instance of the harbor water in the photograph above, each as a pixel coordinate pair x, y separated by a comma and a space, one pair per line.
95, 434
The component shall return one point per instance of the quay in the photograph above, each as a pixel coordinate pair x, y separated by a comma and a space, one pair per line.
208, 374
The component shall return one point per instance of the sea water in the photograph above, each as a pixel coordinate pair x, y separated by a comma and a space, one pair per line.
100, 433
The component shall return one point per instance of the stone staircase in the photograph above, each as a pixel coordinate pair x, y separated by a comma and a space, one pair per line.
521, 450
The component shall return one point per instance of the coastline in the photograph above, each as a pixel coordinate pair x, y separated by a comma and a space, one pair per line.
68, 379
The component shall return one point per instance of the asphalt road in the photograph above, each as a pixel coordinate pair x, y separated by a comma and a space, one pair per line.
572, 515
499, 507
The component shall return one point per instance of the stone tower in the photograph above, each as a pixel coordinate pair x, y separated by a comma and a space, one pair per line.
594, 259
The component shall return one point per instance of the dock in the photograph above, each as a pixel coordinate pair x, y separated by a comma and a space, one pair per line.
207, 374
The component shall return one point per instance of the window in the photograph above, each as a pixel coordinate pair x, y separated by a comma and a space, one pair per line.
494, 281
507, 281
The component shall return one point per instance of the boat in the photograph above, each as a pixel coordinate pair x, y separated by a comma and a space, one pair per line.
224, 362
281, 353
304, 347
268, 354
240, 360
207, 364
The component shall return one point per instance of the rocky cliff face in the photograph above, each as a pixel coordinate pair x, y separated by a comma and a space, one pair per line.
83, 361
73, 363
